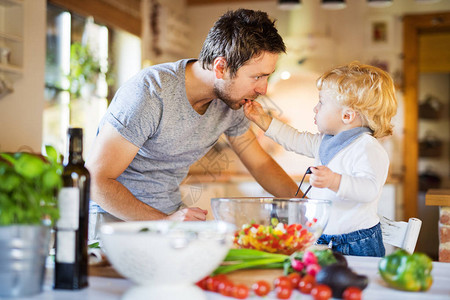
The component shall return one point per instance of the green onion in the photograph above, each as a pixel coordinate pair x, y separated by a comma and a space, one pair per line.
239, 259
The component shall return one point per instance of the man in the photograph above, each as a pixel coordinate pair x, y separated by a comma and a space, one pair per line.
168, 116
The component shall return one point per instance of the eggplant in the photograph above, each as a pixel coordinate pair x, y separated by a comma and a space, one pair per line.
339, 277
340, 259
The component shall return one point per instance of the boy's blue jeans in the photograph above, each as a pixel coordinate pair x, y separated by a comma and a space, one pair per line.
364, 242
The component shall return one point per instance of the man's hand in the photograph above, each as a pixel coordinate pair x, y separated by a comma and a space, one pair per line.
188, 214
254, 112
323, 177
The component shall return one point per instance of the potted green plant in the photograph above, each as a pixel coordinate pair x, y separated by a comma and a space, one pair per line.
84, 69
29, 185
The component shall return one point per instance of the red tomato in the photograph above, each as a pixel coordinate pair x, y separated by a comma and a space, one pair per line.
212, 283
261, 288
202, 283
240, 291
321, 292
306, 284
295, 279
222, 277
352, 293
225, 288
283, 281
283, 292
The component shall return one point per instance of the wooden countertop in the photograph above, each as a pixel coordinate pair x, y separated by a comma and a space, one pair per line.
437, 197
105, 285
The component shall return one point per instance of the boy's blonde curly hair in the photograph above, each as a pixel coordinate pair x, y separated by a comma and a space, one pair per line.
366, 89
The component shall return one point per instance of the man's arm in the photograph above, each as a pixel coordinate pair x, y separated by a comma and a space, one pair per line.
262, 166
110, 156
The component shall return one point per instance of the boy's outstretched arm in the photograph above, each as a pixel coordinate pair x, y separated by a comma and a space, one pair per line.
255, 113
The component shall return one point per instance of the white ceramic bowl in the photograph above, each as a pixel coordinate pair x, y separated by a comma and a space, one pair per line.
310, 217
164, 255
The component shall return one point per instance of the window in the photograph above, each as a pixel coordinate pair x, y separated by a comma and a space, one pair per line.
85, 62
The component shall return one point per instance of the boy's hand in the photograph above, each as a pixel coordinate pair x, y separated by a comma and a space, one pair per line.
254, 112
323, 177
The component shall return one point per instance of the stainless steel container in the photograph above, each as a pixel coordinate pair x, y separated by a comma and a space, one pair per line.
23, 251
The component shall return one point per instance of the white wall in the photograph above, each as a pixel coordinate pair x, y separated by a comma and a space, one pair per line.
347, 27
21, 111
201, 18
326, 38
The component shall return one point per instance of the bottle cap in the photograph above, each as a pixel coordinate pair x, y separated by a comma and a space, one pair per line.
75, 131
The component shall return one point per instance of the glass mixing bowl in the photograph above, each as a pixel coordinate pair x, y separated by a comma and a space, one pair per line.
276, 225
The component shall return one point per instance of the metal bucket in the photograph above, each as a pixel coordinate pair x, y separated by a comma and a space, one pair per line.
23, 251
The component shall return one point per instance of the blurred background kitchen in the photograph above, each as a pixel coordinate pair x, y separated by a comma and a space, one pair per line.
61, 62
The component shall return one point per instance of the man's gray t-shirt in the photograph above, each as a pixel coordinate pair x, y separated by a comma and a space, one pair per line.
152, 111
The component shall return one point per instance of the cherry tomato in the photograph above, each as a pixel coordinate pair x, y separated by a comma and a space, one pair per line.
240, 291
283, 292
352, 293
295, 278
202, 283
321, 292
225, 288
284, 281
306, 284
261, 288
212, 283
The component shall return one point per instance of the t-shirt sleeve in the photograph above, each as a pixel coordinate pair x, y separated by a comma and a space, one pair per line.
241, 124
135, 112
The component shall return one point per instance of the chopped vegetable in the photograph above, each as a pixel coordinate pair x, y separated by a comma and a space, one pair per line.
404, 271
275, 238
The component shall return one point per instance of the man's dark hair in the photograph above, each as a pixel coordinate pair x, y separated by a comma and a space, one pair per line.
238, 36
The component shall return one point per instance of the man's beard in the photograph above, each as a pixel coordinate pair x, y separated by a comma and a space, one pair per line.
222, 92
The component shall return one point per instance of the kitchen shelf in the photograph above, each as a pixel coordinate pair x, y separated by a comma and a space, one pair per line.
10, 37
8, 68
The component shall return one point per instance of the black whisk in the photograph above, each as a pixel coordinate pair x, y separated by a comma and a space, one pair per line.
308, 171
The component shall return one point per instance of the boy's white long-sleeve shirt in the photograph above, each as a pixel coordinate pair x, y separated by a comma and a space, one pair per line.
363, 165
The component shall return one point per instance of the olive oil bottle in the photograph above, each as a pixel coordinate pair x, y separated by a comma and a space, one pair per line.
71, 230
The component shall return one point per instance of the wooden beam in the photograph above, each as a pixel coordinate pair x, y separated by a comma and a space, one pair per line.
103, 13
410, 142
